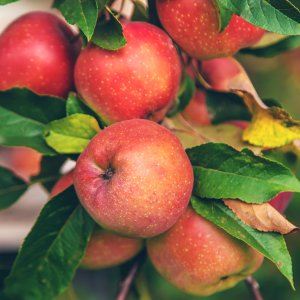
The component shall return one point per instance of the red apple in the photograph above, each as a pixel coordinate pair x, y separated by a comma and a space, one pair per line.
199, 258
220, 72
138, 81
22, 161
196, 112
104, 249
38, 51
194, 25
281, 201
62, 184
134, 178
238, 123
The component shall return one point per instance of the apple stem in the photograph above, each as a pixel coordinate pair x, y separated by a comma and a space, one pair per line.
130, 277
253, 288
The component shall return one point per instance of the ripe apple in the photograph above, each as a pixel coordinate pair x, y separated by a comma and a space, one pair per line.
104, 249
38, 51
194, 25
281, 201
138, 81
134, 178
23, 162
200, 258
62, 184
238, 123
220, 72
196, 112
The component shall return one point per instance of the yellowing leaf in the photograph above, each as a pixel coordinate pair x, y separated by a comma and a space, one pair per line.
272, 128
263, 217
71, 134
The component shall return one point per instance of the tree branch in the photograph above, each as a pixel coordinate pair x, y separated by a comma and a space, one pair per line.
253, 286
131, 276
127, 282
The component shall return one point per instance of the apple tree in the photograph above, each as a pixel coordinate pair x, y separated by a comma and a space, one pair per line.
182, 170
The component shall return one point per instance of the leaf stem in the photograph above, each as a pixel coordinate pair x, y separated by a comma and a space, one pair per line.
253, 287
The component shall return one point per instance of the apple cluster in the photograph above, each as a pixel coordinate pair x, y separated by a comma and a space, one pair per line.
134, 178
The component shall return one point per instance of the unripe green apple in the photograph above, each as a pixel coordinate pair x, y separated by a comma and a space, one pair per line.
194, 25
38, 51
138, 81
199, 258
134, 178
105, 249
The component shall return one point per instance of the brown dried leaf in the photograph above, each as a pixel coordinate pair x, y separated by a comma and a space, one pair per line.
262, 217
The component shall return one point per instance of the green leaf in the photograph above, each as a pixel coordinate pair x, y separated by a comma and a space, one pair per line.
218, 103
225, 16
262, 14
71, 134
52, 251
3, 2
11, 188
287, 44
185, 94
83, 13
76, 106
288, 7
101, 4
284, 155
23, 116
109, 34
222, 172
271, 245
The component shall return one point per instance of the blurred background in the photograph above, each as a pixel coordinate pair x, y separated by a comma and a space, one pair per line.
277, 78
